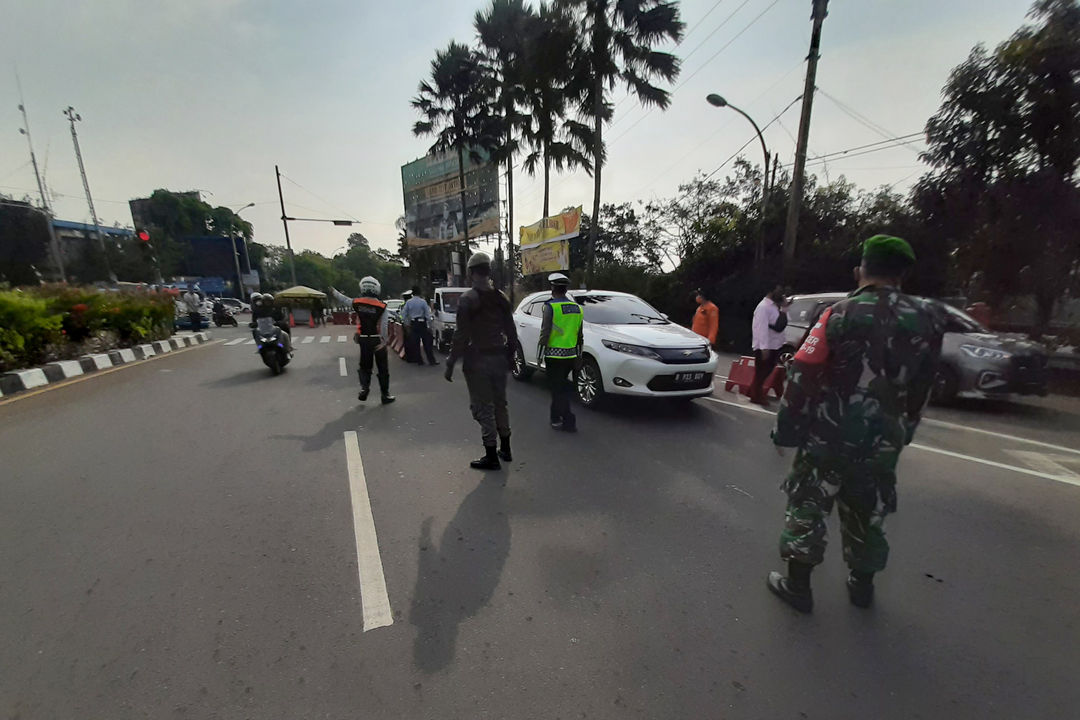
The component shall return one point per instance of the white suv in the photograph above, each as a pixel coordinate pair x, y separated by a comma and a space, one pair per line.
630, 348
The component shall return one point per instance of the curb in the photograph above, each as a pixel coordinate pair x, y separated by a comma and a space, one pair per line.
19, 381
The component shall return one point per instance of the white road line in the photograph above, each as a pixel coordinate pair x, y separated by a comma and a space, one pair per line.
1069, 479
341, 338
372, 581
1003, 436
235, 342
324, 339
341, 367
308, 339
250, 342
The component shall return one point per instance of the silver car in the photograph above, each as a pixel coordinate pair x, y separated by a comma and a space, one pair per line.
975, 362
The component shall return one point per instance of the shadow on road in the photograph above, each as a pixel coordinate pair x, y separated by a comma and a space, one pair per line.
457, 578
258, 374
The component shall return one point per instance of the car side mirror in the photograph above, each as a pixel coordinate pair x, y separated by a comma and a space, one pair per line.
665, 316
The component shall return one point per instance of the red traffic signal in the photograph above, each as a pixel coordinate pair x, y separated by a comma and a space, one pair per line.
143, 236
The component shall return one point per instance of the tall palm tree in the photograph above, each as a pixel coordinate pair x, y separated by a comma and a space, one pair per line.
620, 37
553, 52
453, 103
501, 30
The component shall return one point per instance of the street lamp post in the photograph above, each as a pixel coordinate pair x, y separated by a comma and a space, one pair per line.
759, 247
236, 254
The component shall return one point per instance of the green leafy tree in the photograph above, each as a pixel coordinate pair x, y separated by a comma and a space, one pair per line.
553, 53
454, 105
620, 39
1004, 148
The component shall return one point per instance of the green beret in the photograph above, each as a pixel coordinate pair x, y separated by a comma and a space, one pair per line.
888, 248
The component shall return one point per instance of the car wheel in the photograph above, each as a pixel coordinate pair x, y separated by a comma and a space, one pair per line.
946, 386
590, 384
521, 370
786, 357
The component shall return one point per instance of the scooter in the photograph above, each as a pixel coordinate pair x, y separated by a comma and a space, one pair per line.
226, 317
270, 344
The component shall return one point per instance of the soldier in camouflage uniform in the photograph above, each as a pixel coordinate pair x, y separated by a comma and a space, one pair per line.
857, 389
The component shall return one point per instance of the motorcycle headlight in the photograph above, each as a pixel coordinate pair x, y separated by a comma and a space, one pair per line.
631, 349
981, 352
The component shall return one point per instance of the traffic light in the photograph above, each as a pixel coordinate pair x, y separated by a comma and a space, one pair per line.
143, 235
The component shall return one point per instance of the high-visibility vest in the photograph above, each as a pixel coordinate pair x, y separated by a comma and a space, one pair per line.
565, 328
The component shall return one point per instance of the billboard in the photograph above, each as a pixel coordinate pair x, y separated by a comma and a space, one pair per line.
545, 245
433, 212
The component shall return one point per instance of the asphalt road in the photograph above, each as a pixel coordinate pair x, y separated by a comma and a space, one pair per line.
179, 539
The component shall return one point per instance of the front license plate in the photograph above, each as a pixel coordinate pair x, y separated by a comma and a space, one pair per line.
689, 377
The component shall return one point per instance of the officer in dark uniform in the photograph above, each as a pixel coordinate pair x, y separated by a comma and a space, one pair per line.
561, 338
857, 390
372, 335
487, 340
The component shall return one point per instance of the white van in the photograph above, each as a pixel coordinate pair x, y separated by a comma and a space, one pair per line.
445, 312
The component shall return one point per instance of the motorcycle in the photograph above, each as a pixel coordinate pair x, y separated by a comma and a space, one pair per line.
270, 343
226, 316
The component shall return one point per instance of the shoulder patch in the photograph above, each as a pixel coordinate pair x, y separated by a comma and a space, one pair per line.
815, 349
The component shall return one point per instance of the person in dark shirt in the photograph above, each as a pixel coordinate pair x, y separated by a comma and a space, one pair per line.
485, 339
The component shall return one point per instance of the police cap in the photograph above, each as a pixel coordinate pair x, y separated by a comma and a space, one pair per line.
477, 259
558, 279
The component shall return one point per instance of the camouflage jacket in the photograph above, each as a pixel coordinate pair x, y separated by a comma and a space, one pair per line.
861, 378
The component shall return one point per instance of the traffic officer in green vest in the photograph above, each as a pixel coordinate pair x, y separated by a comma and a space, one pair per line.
561, 338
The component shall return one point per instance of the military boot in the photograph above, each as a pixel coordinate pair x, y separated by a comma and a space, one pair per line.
384, 388
490, 461
860, 588
795, 588
365, 385
504, 448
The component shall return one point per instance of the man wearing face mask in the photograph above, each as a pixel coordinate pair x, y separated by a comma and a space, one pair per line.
485, 338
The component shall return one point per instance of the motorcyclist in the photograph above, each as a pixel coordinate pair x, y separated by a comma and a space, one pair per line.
372, 335
262, 306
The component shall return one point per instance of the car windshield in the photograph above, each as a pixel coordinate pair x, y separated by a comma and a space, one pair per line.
960, 321
619, 310
395, 304
450, 301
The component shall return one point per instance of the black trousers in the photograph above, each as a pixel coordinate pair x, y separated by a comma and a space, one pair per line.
419, 332
560, 377
762, 367
369, 358
196, 321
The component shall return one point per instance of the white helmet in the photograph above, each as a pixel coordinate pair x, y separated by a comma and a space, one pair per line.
255, 298
267, 299
370, 287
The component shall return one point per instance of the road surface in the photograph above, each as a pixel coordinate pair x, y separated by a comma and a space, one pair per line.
189, 537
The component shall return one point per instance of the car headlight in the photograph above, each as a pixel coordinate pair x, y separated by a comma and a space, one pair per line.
985, 353
631, 349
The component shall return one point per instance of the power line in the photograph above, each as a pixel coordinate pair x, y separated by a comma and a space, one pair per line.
892, 143
321, 199
716, 29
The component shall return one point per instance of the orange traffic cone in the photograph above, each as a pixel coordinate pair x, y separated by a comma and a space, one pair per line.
292, 322
311, 320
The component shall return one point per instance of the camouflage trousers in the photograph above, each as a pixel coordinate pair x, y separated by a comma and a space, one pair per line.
485, 376
863, 494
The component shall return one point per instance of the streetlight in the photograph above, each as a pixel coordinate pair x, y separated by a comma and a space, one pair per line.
247, 260
236, 255
759, 249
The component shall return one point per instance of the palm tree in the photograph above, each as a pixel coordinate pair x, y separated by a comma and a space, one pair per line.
553, 52
620, 37
453, 103
501, 30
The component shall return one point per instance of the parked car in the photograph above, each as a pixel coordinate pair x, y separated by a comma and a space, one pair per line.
394, 307
975, 362
631, 348
237, 305
445, 314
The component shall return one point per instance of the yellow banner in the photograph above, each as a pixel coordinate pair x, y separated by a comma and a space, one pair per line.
557, 227
545, 257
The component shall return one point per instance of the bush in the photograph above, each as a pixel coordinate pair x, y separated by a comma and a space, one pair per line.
39, 324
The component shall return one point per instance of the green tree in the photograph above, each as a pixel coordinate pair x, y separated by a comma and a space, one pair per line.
620, 37
553, 53
454, 105
1004, 148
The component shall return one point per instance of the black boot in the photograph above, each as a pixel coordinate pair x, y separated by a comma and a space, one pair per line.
363, 393
384, 387
860, 588
490, 461
795, 588
504, 448
365, 384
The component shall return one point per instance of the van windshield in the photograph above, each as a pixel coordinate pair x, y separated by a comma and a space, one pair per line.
450, 301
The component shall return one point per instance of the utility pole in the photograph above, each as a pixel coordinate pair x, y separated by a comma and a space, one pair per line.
73, 116
820, 10
285, 222
54, 246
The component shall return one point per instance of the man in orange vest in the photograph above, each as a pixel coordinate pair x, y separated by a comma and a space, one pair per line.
372, 335
706, 319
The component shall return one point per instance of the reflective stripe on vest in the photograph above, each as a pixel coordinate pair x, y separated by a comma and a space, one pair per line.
565, 329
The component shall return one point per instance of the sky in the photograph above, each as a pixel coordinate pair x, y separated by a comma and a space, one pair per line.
211, 94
